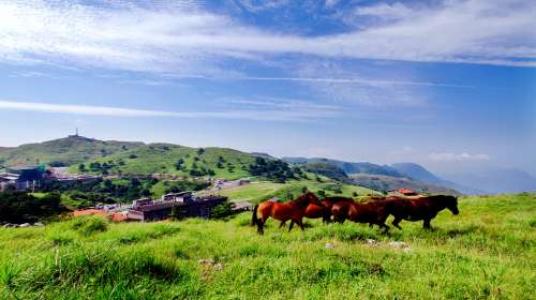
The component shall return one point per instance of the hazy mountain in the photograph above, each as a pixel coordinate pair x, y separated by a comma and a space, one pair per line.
496, 180
350, 167
378, 177
390, 183
325, 169
419, 173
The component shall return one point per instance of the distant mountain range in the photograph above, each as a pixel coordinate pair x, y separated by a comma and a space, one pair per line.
493, 180
377, 177
415, 176
138, 158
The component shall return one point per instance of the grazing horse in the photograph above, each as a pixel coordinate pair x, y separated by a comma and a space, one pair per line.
373, 212
292, 210
419, 208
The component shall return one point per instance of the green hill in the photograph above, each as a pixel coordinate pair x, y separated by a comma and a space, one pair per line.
171, 159
62, 152
486, 252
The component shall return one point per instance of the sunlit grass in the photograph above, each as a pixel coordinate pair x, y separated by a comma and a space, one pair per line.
488, 251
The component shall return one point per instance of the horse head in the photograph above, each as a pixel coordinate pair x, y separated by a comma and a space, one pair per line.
307, 198
451, 204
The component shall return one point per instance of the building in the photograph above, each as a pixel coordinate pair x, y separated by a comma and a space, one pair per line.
22, 178
404, 192
182, 204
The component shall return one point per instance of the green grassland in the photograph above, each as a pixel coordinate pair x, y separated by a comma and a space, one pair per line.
487, 252
263, 190
163, 158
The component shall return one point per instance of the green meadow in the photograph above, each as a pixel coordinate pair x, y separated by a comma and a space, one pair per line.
487, 252
263, 190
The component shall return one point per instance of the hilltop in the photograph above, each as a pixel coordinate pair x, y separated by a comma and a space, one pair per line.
63, 152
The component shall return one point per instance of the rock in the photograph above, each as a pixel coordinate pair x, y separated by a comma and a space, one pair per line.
372, 242
208, 261
218, 267
329, 246
24, 225
400, 245
39, 224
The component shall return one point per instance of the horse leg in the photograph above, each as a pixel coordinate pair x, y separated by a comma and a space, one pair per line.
300, 223
283, 224
426, 224
395, 223
260, 226
291, 225
385, 228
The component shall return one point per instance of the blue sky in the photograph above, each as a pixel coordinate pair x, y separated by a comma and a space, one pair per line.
448, 84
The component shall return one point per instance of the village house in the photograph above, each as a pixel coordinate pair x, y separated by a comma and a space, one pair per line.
22, 178
183, 204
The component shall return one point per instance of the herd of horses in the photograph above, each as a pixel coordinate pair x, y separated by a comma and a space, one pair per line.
374, 210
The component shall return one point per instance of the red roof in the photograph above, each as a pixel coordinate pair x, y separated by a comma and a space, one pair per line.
407, 191
89, 212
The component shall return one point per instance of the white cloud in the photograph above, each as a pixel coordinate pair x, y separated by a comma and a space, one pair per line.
464, 156
185, 39
298, 113
383, 10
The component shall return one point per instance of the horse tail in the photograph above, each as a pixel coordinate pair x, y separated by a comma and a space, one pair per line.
254, 218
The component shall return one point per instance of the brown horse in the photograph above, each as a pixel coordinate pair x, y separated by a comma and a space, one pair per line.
373, 212
340, 210
315, 210
419, 208
291, 210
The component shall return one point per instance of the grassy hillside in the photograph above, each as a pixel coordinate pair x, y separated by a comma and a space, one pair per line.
175, 160
260, 191
389, 183
488, 251
65, 151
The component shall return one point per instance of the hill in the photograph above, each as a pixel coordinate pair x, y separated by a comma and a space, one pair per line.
91, 156
261, 191
172, 159
63, 152
378, 177
389, 183
485, 252
419, 173
325, 169
349, 167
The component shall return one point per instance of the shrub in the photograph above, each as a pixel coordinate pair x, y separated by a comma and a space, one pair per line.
221, 210
90, 225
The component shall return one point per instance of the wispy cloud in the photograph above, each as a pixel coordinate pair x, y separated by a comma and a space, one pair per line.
273, 113
464, 156
185, 38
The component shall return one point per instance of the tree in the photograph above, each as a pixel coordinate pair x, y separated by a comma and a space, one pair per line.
179, 164
200, 151
82, 168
